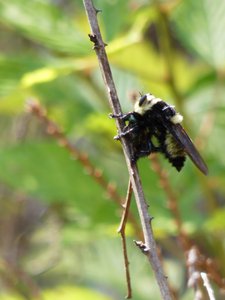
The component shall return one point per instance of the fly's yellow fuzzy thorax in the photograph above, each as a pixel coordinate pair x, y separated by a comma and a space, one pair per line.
149, 101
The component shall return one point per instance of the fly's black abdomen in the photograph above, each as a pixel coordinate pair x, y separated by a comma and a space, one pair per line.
177, 162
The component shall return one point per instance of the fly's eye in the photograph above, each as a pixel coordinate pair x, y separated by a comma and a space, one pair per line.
142, 100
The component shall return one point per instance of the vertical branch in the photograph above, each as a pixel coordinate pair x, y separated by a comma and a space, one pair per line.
121, 230
208, 286
194, 278
53, 130
150, 243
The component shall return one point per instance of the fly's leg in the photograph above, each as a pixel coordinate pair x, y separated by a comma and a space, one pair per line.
131, 116
124, 117
126, 132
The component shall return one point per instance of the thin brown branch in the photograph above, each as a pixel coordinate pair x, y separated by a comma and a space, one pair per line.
52, 129
199, 262
126, 207
208, 286
121, 230
196, 264
194, 277
172, 202
205, 130
99, 47
19, 281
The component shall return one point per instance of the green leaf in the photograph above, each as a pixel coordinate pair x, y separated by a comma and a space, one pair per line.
65, 293
45, 24
13, 68
113, 12
217, 221
200, 26
46, 171
74, 292
28, 76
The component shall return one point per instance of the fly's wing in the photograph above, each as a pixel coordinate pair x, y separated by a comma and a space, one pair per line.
183, 139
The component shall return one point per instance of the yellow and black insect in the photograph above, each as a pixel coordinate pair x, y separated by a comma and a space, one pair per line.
155, 126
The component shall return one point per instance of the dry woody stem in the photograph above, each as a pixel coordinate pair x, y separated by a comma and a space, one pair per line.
121, 230
196, 262
149, 241
52, 129
34, 107
208, 286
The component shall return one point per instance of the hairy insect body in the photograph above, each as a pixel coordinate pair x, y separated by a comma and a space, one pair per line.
174, 152
153, 119
157, 117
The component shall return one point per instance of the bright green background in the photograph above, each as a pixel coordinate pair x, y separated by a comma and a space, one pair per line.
57, 224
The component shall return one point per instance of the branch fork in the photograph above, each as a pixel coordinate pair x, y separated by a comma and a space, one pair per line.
149, 240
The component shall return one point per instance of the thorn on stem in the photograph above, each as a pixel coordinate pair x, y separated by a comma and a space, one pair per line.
94, 40
97, 10
151, 219
117, 138
142, 246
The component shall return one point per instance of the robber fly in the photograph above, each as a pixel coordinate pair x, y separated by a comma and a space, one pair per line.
155, 126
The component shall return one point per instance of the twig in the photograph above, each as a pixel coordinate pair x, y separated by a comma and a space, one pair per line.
126, 207
52, 129
121, 230
194, 280
17, 279
172, 202
208, 286
150, 243
201, 262
197, 263
211, 269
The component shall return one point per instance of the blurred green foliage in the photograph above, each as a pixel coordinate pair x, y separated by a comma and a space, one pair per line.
57, 225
